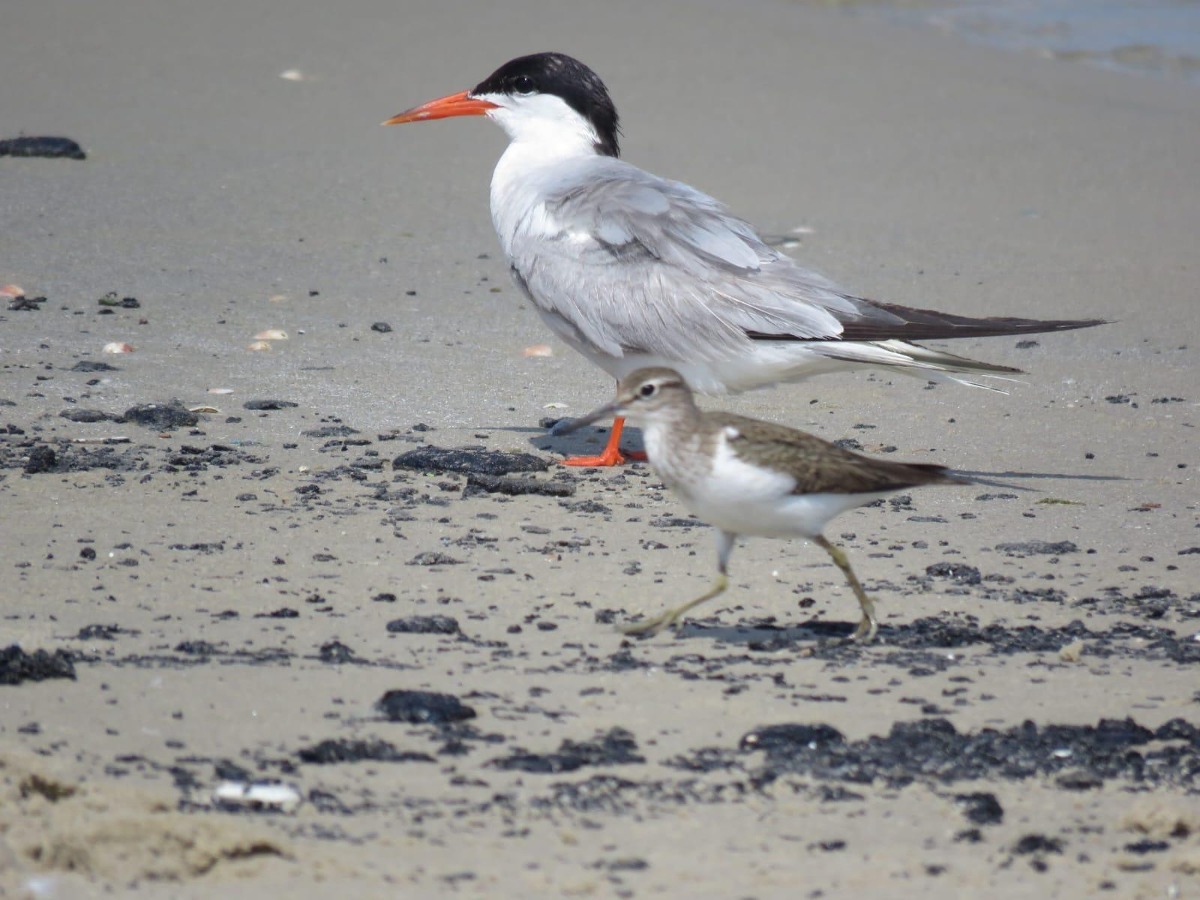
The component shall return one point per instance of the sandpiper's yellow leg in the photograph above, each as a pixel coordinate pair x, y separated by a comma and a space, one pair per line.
650, 627
865, 632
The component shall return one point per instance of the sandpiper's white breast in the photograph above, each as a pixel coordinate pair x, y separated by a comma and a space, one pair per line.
740, 497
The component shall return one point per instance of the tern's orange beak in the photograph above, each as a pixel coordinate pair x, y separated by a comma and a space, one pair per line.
459, 104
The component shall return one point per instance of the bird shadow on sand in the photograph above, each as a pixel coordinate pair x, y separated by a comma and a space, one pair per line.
587, 440
941, 642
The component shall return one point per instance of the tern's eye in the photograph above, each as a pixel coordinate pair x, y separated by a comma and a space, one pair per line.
647, 390
523, 84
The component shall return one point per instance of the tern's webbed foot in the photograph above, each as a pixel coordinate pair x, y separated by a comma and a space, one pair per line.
610, 457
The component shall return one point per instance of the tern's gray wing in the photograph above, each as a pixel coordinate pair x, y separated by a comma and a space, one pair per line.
633, 262
638, 263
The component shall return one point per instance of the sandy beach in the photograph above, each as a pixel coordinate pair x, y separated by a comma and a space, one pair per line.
411, 659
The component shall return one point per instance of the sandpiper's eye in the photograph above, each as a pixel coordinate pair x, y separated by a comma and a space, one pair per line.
647, 390
523, 84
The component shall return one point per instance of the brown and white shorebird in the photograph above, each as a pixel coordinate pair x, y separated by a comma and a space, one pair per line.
634, 270
748, 477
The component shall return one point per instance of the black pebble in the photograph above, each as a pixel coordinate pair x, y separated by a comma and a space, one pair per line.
1038, 843
614, 747
1038, 548
959, 573
16, 665
469, 461
981, 808
514, 487
111, 300
86, 415
423, 707
381, 327
41, 459
424, 625
161, 416
791, 738
195, 648
433, 558
335, 652
339, 751
268, 404
48, 147
100, 632
26, 304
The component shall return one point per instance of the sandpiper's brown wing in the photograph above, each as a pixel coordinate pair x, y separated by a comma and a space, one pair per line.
819, 466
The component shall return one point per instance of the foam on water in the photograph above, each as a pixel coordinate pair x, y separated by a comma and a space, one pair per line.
1156, 37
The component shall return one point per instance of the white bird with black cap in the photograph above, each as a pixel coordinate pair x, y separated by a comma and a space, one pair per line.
634, 270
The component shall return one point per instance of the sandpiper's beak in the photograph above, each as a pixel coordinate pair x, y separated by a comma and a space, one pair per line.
460, 104
566, 426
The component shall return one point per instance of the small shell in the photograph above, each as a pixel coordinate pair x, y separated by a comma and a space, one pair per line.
12, 291
291, 75
539, 350
259, 346
1072, 652
271, 334
220, 390
203, 409
278, 298
257, 795
554, 406
118, 347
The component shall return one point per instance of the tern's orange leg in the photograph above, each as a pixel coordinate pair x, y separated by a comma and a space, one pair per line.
612, 455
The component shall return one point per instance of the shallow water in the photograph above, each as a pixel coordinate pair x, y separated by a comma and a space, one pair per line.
1155, 37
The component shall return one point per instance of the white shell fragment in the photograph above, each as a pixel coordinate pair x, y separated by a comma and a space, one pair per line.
291, 75
118, 347
271, 334
203, 409
220, 390
259, 346
12, 291
257, 796
539, 350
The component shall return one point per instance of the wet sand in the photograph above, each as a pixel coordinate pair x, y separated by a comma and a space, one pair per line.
226, 602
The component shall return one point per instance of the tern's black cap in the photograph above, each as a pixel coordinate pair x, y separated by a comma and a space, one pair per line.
565, 77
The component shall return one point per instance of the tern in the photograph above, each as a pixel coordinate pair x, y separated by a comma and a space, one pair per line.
748, 477
633, 270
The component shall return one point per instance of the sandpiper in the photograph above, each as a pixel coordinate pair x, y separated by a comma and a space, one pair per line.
634, 270
748, 477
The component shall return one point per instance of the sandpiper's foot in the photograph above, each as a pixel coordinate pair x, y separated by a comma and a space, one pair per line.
651, 627
869, 625
867, 628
